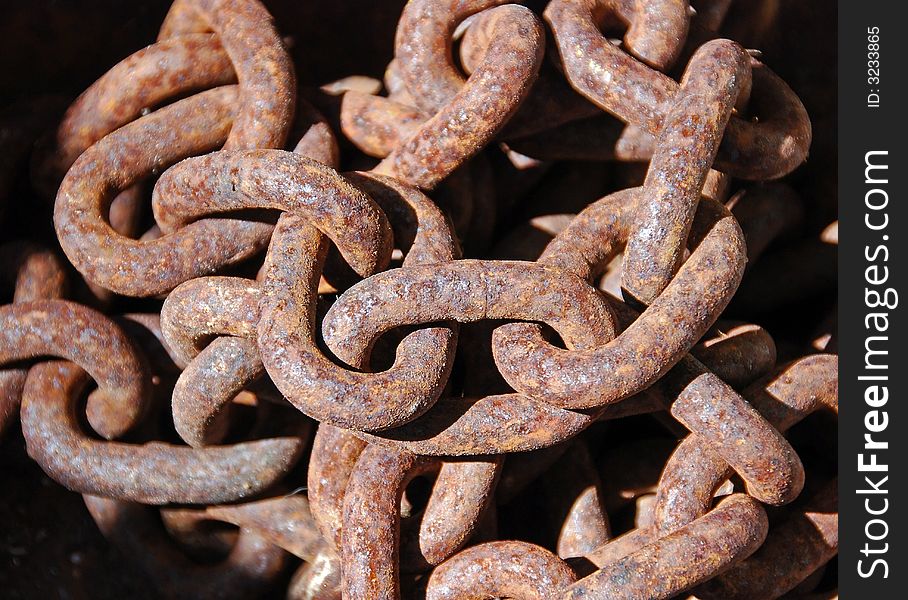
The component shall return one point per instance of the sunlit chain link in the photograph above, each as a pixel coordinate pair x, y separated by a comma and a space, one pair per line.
654, 342
152, 472
92, 341
726, 535
263, 108
33, 273
495, 424
693, 474
466, 116
213, 375
685, 151
287, 338
766, 149
784, 397
372, 539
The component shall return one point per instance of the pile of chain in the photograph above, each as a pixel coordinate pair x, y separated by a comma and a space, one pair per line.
317, 379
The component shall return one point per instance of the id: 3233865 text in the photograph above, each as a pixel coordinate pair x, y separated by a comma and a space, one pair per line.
873, 67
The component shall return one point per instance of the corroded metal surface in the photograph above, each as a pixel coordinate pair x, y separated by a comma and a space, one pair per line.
33, 273
371, 534
152, 473
668, 328
527, 299
765, 150
90, 340
686, 148
500, 569
660, 569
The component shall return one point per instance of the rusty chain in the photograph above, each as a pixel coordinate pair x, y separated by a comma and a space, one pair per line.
392, 337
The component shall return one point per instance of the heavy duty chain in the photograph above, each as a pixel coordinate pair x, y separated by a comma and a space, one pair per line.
577, 404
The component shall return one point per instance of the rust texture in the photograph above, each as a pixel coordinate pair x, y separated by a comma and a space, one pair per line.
470, 118
783, 398
765, 150
500, 569
807, 539
32, 272
147, 267
263, 69
371, 534
90, 340
152, 473
723, 537
498, 301
201, 308
649, 346
140, 82
685, 150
